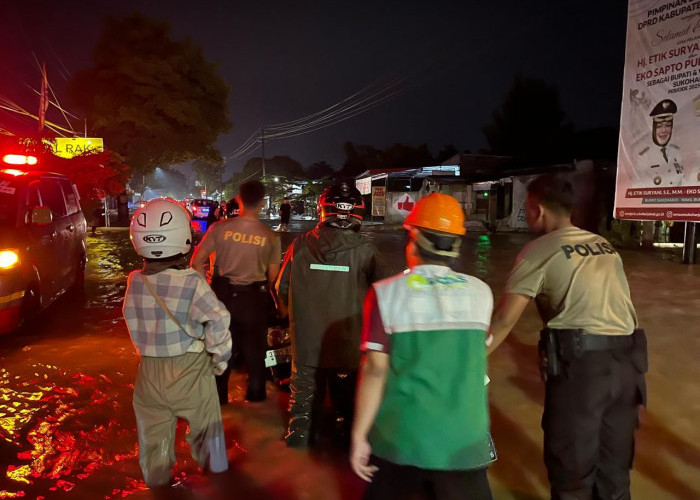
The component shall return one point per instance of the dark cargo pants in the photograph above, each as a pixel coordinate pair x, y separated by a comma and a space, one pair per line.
403, 482
589, 420
308, 386
249, 306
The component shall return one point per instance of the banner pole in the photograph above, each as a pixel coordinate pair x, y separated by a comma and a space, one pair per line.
689, 245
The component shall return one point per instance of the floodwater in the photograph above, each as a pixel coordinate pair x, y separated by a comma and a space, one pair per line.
67, 428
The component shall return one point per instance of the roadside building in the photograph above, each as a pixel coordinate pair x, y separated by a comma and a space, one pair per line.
490, 189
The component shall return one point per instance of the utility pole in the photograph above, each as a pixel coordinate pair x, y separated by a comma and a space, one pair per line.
262, 139
43, 98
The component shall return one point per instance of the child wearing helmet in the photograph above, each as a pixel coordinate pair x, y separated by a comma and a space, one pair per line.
325, 274
180, 330
422, 409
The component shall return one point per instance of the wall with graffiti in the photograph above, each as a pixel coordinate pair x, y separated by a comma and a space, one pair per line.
399, 205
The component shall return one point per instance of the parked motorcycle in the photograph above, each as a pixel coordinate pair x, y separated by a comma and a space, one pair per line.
278, 357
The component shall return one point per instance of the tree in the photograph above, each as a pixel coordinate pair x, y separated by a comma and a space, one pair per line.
596, 144
530, 125
319, 170
286, 169
277, 187
209, 174
360, 158
402, 156
154, 100
447, 152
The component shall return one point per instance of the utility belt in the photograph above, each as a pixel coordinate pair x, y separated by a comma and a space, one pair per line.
559, 347
223, 287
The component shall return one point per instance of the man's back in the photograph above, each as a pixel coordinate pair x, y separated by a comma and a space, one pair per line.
432, 322
326, 275
577, 280
244, 249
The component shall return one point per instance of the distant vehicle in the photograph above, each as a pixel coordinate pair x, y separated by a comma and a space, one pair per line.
42, 240
203, 212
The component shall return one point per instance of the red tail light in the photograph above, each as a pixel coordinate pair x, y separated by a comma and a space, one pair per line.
19, 160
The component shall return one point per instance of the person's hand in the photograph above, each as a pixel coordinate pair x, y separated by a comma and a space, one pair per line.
360, 450
219, 368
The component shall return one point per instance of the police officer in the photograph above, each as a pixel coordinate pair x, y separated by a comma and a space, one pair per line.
324, 278
246, 264
593, 356
661, 164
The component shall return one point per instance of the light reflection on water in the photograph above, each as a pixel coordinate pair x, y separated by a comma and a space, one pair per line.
61, 426
61, 431
483, 253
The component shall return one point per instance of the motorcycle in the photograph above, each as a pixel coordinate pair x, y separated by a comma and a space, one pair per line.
278, 357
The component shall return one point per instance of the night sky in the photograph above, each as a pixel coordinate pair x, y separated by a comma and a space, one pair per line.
287, 59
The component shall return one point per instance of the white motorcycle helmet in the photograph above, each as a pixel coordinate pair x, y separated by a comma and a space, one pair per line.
161, 229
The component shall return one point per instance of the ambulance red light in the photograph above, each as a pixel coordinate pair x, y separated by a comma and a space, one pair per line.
12, 171
19, 160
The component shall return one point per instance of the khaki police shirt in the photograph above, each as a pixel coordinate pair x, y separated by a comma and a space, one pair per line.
577, 281
244, 249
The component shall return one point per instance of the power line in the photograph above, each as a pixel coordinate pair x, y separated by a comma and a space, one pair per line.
303, 131
363, 100
249, 143
344, 106
349, 111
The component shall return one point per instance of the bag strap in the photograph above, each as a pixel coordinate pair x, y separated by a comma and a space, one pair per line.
161, 303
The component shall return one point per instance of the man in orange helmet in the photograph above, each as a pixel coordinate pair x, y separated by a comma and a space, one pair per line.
421, 409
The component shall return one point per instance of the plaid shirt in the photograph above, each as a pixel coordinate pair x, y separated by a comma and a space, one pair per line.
191, 301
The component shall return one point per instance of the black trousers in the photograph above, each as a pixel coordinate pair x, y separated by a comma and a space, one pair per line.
590, 415
309, 386
405, 482
249, 307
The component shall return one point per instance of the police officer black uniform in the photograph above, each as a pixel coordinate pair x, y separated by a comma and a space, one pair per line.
593, 355
246, 265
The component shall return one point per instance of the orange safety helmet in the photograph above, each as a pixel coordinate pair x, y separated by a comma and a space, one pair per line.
437, 212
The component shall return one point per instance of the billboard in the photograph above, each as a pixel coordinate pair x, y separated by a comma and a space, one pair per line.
658, 176
68, 147
378, 201
364, 185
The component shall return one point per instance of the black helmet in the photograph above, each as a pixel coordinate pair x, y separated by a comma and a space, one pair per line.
342, 206
232, 208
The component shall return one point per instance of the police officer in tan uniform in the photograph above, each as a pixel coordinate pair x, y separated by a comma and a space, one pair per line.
246, 264
593, 356
661, 164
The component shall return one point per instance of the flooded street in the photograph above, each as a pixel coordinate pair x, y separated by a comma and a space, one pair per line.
67, 428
